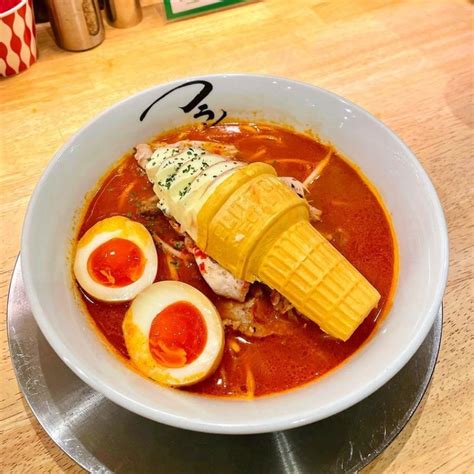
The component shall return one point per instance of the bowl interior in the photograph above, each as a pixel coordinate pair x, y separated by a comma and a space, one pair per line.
385, 160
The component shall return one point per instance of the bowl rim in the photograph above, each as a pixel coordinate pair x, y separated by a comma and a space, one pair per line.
282, 421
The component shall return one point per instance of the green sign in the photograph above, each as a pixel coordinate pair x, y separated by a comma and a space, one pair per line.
182, 8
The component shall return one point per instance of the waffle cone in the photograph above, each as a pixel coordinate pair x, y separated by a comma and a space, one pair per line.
223, 192
321, 284
247, 223
258, 229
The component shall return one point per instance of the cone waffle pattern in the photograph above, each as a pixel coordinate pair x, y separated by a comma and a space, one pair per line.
247, 218
305, 268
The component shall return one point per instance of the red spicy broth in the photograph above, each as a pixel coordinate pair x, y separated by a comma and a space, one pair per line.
352, 219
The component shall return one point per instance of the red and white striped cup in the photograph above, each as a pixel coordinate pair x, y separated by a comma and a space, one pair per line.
18, 50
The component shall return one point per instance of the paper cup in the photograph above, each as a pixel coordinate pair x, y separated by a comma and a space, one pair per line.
18, 50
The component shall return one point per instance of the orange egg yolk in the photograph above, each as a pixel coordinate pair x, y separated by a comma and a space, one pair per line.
116, 263
178, 335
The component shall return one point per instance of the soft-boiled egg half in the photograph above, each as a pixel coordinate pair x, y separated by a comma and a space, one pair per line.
115, 259
174, 334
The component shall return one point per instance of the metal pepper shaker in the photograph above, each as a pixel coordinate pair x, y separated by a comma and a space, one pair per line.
123, 13
77, 24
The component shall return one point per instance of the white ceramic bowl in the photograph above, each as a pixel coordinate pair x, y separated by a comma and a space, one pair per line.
388, 163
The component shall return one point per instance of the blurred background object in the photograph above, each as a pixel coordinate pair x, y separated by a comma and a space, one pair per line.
6, 5
41, 12
18, 50
123, 13
179, 9
77, 24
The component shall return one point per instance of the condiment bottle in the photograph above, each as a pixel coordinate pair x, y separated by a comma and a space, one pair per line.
123, 13
77, 24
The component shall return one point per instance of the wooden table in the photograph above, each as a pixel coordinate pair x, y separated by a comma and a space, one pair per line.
409, 63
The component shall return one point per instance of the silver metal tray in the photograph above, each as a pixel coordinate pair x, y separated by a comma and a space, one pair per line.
103, 437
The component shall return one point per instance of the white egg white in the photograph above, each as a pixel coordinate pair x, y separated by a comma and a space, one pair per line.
139, 318
101, 232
